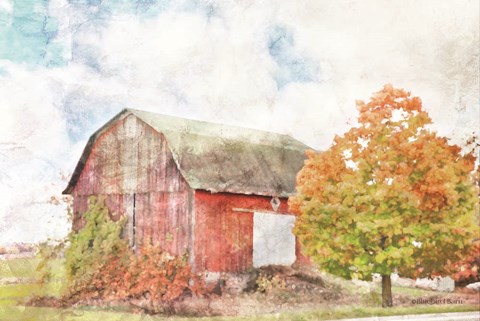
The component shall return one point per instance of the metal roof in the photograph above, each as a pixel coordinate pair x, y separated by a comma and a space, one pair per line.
220, 158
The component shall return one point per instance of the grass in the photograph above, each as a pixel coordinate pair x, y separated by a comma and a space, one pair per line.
359, 311
18, 291
24, 267
14, 294
27, 268
18, 313
414, 292
12, 297
14, 313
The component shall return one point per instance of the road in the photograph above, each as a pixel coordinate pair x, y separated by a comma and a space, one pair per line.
460, 316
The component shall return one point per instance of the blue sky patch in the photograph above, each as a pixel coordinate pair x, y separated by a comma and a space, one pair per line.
292, 67
27, 33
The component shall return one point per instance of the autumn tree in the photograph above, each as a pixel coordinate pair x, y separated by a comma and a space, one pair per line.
389, 195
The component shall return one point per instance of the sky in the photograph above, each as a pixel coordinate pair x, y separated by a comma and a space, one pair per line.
293, 67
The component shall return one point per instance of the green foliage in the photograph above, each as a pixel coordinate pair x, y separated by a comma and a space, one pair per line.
48, 254
388, 195
97, 241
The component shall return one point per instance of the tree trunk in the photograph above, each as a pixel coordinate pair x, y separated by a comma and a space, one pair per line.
386, 291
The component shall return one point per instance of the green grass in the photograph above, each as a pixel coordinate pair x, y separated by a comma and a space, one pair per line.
414, 292
17, 313
27, 268
24, 267
19, 293
13, 294
359, 311
52, 314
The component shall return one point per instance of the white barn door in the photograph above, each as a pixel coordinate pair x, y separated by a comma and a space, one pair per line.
273, 240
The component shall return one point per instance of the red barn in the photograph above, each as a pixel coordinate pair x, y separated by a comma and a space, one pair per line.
216, 192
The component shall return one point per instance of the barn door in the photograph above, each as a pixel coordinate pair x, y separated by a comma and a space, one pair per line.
131, 219
273, 240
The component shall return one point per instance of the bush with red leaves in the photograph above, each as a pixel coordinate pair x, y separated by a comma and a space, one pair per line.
467, 270
151, 275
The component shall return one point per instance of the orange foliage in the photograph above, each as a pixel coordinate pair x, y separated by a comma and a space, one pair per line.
150, 274
467, 270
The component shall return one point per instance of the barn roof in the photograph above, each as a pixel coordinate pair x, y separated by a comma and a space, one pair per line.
220, 158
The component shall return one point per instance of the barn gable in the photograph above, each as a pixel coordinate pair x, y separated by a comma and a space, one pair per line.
132, 168
220, 158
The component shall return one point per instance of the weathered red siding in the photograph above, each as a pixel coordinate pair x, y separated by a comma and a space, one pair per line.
223, 235
130, 163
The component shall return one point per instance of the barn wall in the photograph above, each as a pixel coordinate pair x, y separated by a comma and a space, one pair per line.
132, 167
224, 236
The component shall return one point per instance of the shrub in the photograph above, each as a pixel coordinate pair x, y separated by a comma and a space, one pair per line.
100, 264
47, 253
466, 271
268, 283
98, 240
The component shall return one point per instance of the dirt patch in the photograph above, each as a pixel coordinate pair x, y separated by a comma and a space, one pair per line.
47, 301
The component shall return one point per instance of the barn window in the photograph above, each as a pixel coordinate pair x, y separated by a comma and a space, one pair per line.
275, 202
273, 240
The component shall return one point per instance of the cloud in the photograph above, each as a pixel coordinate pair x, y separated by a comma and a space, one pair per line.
37, 144
293, 67
430, 48
6, 5
32, 144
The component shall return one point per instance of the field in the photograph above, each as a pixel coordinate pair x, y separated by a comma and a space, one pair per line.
17, 284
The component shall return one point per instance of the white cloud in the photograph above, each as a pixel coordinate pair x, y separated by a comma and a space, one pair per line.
218, 67
6, 5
